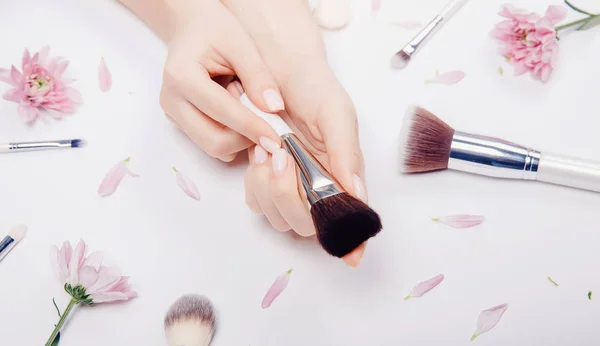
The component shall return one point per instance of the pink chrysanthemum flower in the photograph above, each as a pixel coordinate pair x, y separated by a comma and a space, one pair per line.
529, 40
40, 86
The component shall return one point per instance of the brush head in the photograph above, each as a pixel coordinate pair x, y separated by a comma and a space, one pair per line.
18, 232
190, 321
77, 143
343, 223
425, 142
400, 60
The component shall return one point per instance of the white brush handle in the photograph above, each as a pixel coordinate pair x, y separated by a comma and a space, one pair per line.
273, 119
451, 8
569, 171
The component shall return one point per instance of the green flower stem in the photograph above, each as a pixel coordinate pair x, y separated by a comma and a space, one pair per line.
62, 321
577, 22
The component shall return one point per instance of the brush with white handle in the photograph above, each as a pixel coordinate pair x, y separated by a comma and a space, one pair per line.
190, 321
401, 59
342, 222
429, 144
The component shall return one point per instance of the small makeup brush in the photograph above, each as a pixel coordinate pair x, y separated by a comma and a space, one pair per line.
429, 144
190, 321
15, 235
401, 59
17, 147
342, 221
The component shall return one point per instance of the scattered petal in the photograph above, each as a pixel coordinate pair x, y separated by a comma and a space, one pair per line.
500, 71
332, 14
488, 319
590, 295
425, 286
187, 185
461, 221
408, 25
104, 77
448, 78
552, 281
375, 6
276, 289
113, 178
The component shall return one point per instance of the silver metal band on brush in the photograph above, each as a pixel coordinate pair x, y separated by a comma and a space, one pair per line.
317, 183
493, 157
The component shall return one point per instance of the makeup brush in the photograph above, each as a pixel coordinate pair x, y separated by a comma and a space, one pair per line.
190, 321
15, 235
342, 221
16, 147
401, 59
429, 144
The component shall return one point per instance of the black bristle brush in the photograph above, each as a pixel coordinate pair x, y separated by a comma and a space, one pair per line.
190, 321
342, 222
429, 144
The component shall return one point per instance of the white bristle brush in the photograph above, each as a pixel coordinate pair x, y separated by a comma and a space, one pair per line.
190, 321
15, 235
429, 144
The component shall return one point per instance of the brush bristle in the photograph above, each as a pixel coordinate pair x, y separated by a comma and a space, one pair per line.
425, 142
18, 232
77, 143
343, 223
191, 307
400, 60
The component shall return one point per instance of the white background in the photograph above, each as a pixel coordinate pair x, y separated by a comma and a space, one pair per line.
170, 244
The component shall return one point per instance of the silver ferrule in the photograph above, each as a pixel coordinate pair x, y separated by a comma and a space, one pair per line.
492, 157
31, 146
422, 36
316, 181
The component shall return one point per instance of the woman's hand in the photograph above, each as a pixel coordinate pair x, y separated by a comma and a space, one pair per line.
318, 109
207, 47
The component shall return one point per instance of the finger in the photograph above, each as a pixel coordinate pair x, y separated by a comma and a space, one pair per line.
354, 258
283, 190
210, 136
235, 89
217, 103
256, 155
338, 125
241, 52
259, 185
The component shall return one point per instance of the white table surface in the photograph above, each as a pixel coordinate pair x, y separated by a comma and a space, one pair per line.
170, 244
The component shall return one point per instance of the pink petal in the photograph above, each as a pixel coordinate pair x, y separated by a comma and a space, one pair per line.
55, 262
26, 58
555, 14
187, 185
15, 75
461, 221
43, 54
113, 178
425, 286
76, 262
73, 95
488, 319
375, 6
448, 78
60, 69
64, 257
276, 289
12, 95
94, 260
409, 25
87, 276
108, 297
106, 278
6, 77
104, 77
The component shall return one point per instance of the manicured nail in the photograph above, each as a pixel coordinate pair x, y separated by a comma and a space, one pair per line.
359, 188
279, 162
268, 144
260, 155
354, 258
238, 86
273, 100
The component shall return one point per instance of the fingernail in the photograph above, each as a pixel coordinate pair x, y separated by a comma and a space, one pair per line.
238, 86
354, 258
268, 144
273, 100
359, 188
279, 162
260, 155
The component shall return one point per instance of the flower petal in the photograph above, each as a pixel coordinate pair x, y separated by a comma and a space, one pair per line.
104, 77
76, 262
488, 319
407, 24
15, 75
94, 260
26, 59
55, 262
461, 221
425, 286
87, 276
113, 178
108, 297
187, 185
73, 95
106, 277
276, 289
448, 78
60, 69
6, 77
555, 14
12, 95
43, 55
375, 6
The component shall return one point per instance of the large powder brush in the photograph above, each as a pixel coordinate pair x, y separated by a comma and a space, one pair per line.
342, 222
429, 144
190, 321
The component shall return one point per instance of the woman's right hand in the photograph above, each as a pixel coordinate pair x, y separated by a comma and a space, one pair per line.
207, 48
